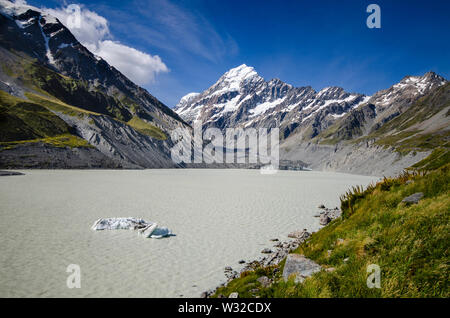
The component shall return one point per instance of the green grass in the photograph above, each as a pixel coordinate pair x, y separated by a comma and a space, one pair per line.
410, 243
78, 93
22, 121
59, 106
146, 128
439, 157
61, 141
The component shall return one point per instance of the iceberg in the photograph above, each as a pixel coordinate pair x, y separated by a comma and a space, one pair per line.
146, 229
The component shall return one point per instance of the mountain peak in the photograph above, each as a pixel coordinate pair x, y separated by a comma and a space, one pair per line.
429, 77
240, 73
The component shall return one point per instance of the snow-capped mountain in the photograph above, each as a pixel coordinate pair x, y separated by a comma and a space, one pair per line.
242, 98
41, 62
37, 34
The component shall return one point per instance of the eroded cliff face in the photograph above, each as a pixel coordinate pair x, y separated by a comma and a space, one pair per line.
122, 143
363, 158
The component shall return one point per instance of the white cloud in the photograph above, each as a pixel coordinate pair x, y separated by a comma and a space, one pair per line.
93, 32
139, 66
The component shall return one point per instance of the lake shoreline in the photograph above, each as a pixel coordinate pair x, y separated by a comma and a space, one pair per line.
282, 250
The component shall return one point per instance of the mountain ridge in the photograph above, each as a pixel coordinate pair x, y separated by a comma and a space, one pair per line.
329, 129
42, 63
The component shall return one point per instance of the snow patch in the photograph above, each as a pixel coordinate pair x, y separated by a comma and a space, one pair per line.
262, 108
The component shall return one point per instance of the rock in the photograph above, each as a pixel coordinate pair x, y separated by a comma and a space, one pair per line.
241, 261
413, 198
234, 295
221, 296
321, 206
316, 215
274, 240
346, 260
264, 281
228, 269
254, 290
330, 269
300, 266
266, 251
204, 295
329, 253
324, 219
300, 235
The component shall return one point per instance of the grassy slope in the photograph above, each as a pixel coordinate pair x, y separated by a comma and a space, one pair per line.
23, 121
54, 88
74, 92
146, 128
409, 243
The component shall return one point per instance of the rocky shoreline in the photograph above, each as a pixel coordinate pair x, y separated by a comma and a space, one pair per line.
278, 253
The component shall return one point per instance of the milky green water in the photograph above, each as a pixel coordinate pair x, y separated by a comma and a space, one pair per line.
219, 217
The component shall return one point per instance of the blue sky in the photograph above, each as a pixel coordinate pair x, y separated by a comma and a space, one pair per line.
317, 43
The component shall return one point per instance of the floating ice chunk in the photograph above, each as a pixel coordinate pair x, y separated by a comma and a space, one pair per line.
119, 224
161, 232
146, 229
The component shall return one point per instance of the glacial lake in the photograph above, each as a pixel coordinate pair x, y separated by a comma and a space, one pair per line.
219, 217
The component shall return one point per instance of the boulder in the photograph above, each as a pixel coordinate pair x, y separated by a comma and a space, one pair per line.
324, 219
321, 206
234, 295
264, 281
300, 266
266, 251
300, 235
413, 198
